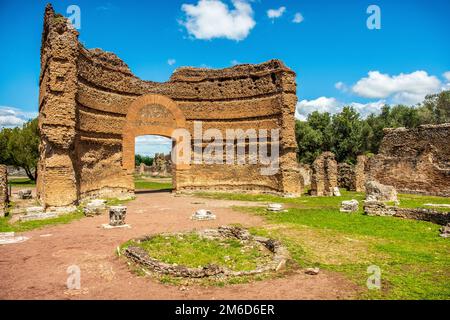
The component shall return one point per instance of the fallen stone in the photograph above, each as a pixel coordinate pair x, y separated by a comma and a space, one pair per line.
336, 192
275, 207
376, 191
31, 210
38, 216
349, 206
10, 238
25, 194
203, 214
95, 207
117, 215
445, 231
108, 226
312, 271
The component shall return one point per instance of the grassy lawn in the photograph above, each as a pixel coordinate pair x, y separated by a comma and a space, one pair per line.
22, 182
151, 185
5, 226
414, 260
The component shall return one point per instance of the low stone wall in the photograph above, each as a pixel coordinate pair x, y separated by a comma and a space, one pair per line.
3, 190
377, 208
141, 257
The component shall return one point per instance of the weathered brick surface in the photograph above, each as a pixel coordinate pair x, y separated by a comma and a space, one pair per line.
324, 175
414, 160
3, 189
346, 176
92, 107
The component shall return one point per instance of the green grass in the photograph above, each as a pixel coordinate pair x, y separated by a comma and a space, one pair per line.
414, 260
418, 201
5, 226
22, 182
193, 251
151, 185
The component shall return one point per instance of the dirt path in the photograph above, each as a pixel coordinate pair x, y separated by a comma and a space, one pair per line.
36, 269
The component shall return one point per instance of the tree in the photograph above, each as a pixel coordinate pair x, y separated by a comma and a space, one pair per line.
347, 135
143, 159
20, 147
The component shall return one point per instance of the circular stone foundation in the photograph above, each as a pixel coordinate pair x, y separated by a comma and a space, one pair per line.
134, 250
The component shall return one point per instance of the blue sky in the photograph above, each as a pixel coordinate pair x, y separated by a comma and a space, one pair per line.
331, 49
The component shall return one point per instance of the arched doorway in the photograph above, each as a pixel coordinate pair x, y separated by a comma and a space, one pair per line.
150, 114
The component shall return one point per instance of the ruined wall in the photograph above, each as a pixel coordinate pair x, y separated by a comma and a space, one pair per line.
360, 171
85, 121
3, 190
324, 175
305, 173
346, 176
414, 160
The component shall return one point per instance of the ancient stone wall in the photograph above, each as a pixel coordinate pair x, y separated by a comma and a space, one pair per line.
414, 160
324, 175
346, 176
305, 173
92, 107
3, 189
360, 171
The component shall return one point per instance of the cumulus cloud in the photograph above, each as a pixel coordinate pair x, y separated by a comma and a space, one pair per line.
12, 117
409, 88
298, 18
235, 62
211, 19
171, 62
276, 13
332, 106
447, 76
149, 145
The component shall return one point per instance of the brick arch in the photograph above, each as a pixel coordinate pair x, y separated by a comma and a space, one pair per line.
131, 130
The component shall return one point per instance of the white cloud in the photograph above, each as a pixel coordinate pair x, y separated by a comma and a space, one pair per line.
211, 19
276, 13
408, 88
340, 86
235, 62
149, 145
12, 117
447, 75
298, 18
171, 62
322, 104
332, 106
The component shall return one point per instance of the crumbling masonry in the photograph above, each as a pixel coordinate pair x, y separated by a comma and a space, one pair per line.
414, 160
91, 108
324, 175
3, 190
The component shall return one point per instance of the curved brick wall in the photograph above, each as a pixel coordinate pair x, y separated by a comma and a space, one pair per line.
85, 96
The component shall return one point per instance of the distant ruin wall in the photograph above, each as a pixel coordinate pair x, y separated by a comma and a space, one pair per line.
91, 107
3, 190
324, 175
414, 160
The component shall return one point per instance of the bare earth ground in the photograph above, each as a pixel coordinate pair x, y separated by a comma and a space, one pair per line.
36, 269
